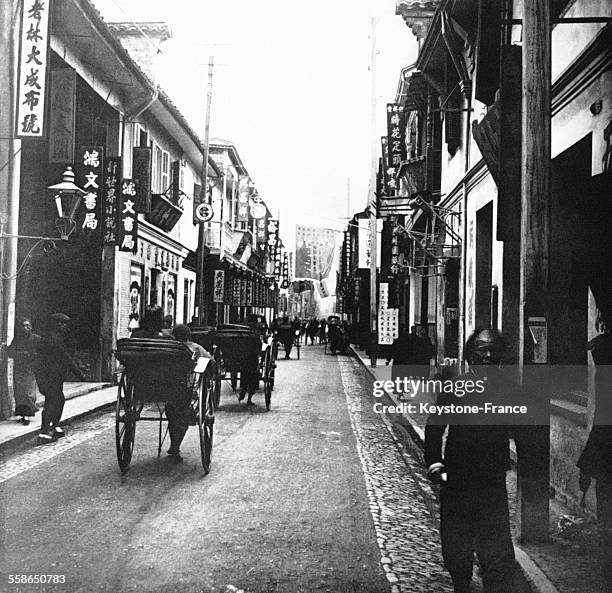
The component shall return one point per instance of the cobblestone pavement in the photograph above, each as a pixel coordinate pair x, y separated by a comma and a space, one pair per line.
12, 464
405, 529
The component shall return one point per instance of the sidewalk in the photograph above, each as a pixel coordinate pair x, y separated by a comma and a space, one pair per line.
568, 564
81, 399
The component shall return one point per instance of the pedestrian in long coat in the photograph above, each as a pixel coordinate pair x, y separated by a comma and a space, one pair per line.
596, 460
52, 366
23, 352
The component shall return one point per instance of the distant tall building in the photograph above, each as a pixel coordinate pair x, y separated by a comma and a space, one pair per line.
314, 253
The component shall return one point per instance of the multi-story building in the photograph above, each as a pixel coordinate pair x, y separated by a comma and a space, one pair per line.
470, 164
132, 239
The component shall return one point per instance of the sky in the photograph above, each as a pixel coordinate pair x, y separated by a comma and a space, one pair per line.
291, 89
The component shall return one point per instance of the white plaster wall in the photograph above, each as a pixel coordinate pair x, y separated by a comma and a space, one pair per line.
575, 121
569, 40
478, 196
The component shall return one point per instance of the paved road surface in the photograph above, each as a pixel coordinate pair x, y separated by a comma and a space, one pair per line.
312, 496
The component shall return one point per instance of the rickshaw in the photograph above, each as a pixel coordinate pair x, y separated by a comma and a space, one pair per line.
337, 338
242, 353
290, 332
155, 372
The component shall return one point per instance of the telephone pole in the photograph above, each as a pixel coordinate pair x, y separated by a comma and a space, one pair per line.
372, 199
203, 198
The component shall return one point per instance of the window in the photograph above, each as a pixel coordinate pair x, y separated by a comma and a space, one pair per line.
182, 176
141, 136
165, 171
155, 169
160, 172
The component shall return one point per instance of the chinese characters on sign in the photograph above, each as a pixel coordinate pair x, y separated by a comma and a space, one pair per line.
365, 242
219, 286
249, 293
388, 319
61, 116
112, 182
396, 144
89, 177
285, 271
262, 233
32, 75
236, 293
128, 219
242, 213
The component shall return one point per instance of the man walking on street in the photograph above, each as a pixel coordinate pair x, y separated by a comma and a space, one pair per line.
54, 362
472, 472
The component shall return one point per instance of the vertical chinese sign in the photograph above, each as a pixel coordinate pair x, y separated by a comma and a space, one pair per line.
236, 292
219, 286
262, 233
110, 199
62, 115
242, 213
128, 219
396, 143
285, 271
89, 177
32, 75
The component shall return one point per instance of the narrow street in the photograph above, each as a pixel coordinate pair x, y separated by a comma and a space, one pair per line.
313, 496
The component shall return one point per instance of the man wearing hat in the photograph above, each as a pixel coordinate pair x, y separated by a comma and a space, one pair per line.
54, 362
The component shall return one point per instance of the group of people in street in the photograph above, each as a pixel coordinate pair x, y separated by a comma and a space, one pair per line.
42, 361
316, 329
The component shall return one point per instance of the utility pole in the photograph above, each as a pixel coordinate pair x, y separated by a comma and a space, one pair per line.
534, 302
348, 198
10, 165
203, 197
372, 201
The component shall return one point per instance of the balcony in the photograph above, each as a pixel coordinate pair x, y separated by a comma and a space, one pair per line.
165, 212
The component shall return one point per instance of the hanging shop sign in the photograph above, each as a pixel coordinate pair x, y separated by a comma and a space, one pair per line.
110, 199
204, 212
32, 74
236, 293
249, 293
388, 325
89, 177
242, 212
396, 143
243, 283
128, 218
61, 116
365, 242
258, 210
141, 176
388, 182
261, 232
219, 286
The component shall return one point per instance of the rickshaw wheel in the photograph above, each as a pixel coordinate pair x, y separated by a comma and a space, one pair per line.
273, 357
219, 371
125, 425
266, 379
206, 418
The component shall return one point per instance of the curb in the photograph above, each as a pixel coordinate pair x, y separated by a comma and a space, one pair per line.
535, 577
32, 431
